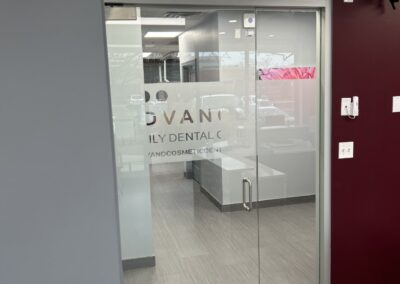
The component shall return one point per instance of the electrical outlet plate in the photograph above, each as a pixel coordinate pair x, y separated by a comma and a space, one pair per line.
346, 150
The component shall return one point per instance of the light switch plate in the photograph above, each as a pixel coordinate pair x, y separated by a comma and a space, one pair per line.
346, 150
396, 104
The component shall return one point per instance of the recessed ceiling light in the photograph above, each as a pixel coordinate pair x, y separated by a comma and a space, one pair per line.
222, 33
122, 22
162, 34
146, 54
233, 21
163, 21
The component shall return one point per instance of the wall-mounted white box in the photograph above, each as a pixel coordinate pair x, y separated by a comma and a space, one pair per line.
345, 109
396, 104
346, 150
249, 20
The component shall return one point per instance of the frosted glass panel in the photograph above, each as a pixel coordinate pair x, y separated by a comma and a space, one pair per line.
128, 109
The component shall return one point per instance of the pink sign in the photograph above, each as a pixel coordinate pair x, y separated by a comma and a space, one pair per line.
291, 73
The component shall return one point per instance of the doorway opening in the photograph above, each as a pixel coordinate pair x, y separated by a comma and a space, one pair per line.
216, 123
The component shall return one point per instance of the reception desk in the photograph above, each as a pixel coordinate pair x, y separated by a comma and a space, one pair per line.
221, 176
291, 150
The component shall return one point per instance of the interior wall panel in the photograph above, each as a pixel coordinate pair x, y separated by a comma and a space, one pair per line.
58, 209
365, 190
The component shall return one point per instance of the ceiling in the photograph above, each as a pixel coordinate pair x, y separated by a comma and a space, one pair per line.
160, 47
167, 46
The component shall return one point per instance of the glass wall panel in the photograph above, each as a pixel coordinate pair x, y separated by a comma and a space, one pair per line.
131, 145
183, 93
288, 144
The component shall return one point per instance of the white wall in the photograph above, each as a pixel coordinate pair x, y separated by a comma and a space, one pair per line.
237, 49
201, 44
58, 209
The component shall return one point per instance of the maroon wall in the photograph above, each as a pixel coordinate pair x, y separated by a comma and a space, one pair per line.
366, 189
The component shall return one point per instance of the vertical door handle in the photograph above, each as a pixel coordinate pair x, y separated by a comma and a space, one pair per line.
247, 206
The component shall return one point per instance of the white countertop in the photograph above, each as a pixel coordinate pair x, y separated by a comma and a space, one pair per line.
228, 163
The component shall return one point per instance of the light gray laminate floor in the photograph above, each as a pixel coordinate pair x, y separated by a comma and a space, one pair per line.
196, 243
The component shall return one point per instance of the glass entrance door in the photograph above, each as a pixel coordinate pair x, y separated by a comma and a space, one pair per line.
288, 144
183, 87
215, 127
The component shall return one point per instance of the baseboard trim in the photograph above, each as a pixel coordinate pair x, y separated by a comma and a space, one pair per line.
134, 263
211, 198
260, 204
